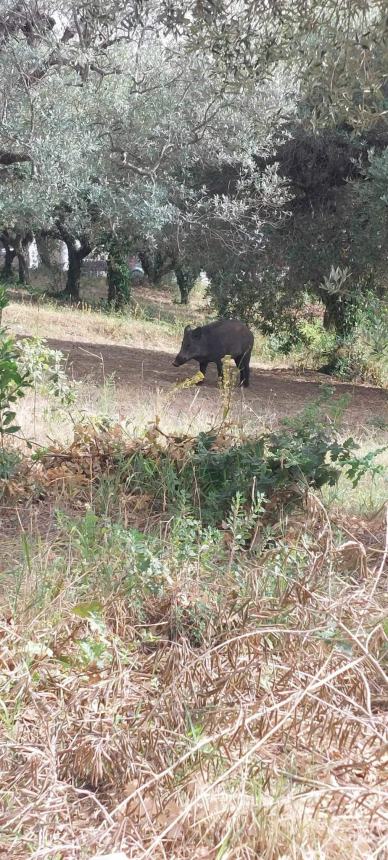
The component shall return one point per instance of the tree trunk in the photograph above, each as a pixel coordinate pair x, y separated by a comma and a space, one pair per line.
7, 271
73, 281
147, 264
21, 248
157, 264
44, 252
8, 260
340, 318
185, 283
119, 280
77, 251
24, 272
111, 281
337, 316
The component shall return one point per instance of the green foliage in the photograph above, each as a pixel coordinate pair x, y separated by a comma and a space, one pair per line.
303, 452
13, 385
3, 301
242, 520
262, 204
119, 275
9, 461
110, 559
46, 370
303, 338
362, 354
355, 468
121, 555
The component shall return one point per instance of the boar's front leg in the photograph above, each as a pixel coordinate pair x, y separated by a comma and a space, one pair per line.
203, 367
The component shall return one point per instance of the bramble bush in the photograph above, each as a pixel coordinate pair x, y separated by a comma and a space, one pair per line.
304, 452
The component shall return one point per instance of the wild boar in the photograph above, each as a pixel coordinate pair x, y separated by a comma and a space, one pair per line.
212, 342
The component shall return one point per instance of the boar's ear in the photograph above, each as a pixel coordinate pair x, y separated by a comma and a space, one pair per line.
187, 328
196, 332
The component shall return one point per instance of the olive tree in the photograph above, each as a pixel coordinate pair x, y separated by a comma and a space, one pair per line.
182, 132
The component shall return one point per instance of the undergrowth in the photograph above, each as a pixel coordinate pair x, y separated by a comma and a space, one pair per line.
201, 474
192, 648
175, 692
360, 355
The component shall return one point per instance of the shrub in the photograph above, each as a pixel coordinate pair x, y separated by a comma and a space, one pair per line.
118, 275
46, 370
361, 354
303, 453
13, 383
203, 478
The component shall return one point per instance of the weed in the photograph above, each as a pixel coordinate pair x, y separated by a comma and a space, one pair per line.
13, 385
46, 370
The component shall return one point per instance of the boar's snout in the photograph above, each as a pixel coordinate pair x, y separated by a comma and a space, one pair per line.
178, 360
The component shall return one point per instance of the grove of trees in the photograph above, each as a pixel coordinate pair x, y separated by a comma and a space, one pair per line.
248, 139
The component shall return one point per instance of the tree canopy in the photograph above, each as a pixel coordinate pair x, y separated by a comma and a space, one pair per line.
229, 135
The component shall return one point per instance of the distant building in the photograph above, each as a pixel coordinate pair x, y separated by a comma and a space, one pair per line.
95, 264
33, 259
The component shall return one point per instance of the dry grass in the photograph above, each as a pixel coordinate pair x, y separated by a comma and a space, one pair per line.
226, 706
155, 324
42, 422
87, 325
124, 729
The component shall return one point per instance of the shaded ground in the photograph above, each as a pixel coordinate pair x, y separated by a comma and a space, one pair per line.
275, 392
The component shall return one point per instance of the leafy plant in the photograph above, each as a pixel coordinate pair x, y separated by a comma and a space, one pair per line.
242, 520
303, 452
13, 385
119, 275
3, 301
45, 367
356, 468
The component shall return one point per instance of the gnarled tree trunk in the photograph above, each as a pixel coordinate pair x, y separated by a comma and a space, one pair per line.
10, 255
157, 264
118, 277
21, 245
339, 314
43, 250
73, 281
185, 283
77, 249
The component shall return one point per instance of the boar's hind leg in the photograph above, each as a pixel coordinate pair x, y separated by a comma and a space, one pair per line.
203, 367
220, 370
245, 370
242, 362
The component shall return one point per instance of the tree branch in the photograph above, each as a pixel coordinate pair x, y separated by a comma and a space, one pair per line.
7, 157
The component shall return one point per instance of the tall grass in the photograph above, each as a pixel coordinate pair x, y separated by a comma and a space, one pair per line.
168, 695
193, 640
182, 681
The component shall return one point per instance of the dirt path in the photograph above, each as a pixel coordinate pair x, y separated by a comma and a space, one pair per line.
275, 393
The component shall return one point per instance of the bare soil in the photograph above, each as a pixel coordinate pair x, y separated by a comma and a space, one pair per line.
279, 393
